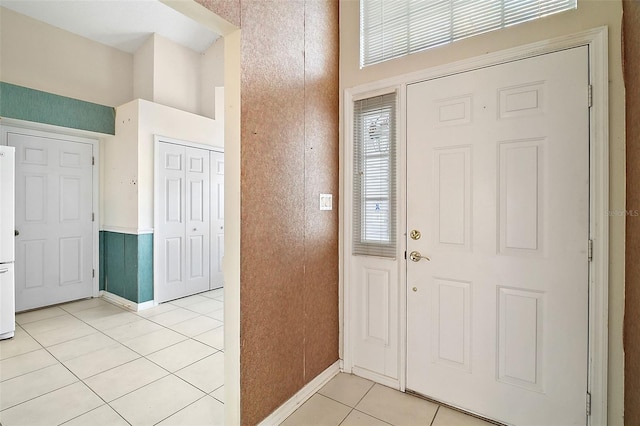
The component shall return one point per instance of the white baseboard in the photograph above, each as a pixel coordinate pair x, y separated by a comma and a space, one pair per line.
124, 303
286, 409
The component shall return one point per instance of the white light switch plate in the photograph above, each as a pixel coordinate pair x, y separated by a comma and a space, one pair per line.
326, 201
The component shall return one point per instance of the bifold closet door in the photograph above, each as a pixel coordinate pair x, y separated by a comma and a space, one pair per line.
184, 221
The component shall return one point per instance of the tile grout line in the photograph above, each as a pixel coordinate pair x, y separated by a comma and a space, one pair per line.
140, 356
435, 415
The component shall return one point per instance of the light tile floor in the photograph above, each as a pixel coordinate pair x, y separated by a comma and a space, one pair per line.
93, 363
353, 401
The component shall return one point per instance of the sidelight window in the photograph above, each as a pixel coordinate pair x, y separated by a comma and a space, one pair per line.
374, 181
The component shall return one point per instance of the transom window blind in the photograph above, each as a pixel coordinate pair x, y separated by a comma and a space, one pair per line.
374, 181
393, 28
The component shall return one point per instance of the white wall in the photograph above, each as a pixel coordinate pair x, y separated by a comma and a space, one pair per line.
590, 14
143, 70
211, 76
43, 57
119, 170
127, 160
156, 119
176, 75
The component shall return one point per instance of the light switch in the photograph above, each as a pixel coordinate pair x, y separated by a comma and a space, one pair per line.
326, 201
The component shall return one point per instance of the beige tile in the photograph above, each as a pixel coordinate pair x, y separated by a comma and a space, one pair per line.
449, 417
71, 331
205, 307
213, 338
173, 317
356, 418
133, 329
181, 355
206, 374
189, 300
125, 378
219, 315
81, 346
20, 344
113, 321
53, 408
218, 394
195, 326
396, 407
25, 363
31, 385
102, 311
81, 305
346, 388
101, 360
39, 314
49, 324
154, 341
212, 294
101, 416
156, 310
318, 410
205, 411
156, 401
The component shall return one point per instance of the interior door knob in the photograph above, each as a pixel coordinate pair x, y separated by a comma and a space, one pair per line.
416, 256
16, 232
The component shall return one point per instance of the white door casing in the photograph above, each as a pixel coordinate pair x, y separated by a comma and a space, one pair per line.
352, 272
217, 218
54, 218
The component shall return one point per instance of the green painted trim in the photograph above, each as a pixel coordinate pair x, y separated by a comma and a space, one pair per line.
127, 265
145, 267
41, 107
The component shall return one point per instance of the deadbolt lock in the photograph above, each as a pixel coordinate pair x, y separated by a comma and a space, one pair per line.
415, 234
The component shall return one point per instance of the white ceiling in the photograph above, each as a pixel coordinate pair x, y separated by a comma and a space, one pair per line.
123, 24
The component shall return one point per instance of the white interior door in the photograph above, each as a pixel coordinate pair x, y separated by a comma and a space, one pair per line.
183, 229
54, 198
498, 185
217, 218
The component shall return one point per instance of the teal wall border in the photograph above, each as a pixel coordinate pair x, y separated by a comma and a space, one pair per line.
41, 107
126, 265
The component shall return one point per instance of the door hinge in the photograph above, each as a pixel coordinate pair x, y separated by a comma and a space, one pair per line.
590, 250
93, 217
588, 404
93, 273
405, 255
93, 161
590, 96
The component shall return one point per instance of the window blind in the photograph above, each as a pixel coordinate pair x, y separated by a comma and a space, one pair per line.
393, 28
374, 181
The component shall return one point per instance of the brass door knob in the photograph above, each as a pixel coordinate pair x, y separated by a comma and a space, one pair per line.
416, 256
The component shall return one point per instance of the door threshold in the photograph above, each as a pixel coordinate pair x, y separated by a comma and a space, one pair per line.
453, 407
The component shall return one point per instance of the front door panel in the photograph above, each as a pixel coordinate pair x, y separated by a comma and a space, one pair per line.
498, 185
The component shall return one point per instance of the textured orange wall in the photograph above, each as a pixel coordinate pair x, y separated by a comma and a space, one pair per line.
631, 31
289, 248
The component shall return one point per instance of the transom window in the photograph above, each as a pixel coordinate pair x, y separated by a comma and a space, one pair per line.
394, 28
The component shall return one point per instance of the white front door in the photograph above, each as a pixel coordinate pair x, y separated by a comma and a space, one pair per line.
54, 198
498, 186
183, 228
217, 218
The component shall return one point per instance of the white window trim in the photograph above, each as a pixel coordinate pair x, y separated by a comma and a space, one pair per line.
597, 41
